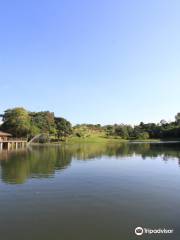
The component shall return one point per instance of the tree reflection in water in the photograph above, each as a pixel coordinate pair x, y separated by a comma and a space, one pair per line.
44, 161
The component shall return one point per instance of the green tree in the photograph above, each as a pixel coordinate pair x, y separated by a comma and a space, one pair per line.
122, 131
17, 122
63, 127
43, 122
143, 135
109, 130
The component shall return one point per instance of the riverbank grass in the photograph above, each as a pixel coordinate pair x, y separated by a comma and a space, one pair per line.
94, 139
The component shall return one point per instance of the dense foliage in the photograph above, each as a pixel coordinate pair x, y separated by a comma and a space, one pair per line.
22, 123
16, 121
63, 127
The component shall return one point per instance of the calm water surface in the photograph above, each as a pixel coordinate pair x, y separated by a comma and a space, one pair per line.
90, 191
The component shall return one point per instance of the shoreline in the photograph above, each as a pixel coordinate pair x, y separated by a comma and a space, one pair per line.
104, 140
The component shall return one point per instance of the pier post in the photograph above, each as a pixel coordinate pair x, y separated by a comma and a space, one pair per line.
8, 146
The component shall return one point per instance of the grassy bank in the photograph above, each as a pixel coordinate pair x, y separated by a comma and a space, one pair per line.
94, 139
105, 139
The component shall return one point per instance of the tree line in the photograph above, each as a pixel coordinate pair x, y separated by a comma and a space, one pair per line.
22, 123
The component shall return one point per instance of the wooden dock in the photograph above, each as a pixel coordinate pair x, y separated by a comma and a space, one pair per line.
7, 142
12, 144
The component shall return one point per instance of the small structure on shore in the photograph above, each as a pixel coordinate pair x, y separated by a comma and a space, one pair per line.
8, 142
4, 136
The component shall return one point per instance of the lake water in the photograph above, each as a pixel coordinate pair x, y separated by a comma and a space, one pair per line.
90, 192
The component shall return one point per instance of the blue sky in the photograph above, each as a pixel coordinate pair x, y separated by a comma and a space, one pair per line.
99, 61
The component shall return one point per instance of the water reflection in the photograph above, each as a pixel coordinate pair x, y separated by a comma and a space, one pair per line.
43, 161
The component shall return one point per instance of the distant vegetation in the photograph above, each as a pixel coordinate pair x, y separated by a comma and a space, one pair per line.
22, 123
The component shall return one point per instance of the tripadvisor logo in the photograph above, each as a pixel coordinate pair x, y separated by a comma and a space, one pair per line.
140, 231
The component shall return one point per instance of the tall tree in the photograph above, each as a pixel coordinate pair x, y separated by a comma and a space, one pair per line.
17, 122
43, 122
63, 127
122, 131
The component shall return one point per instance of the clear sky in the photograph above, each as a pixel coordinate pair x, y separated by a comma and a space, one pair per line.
99, 61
